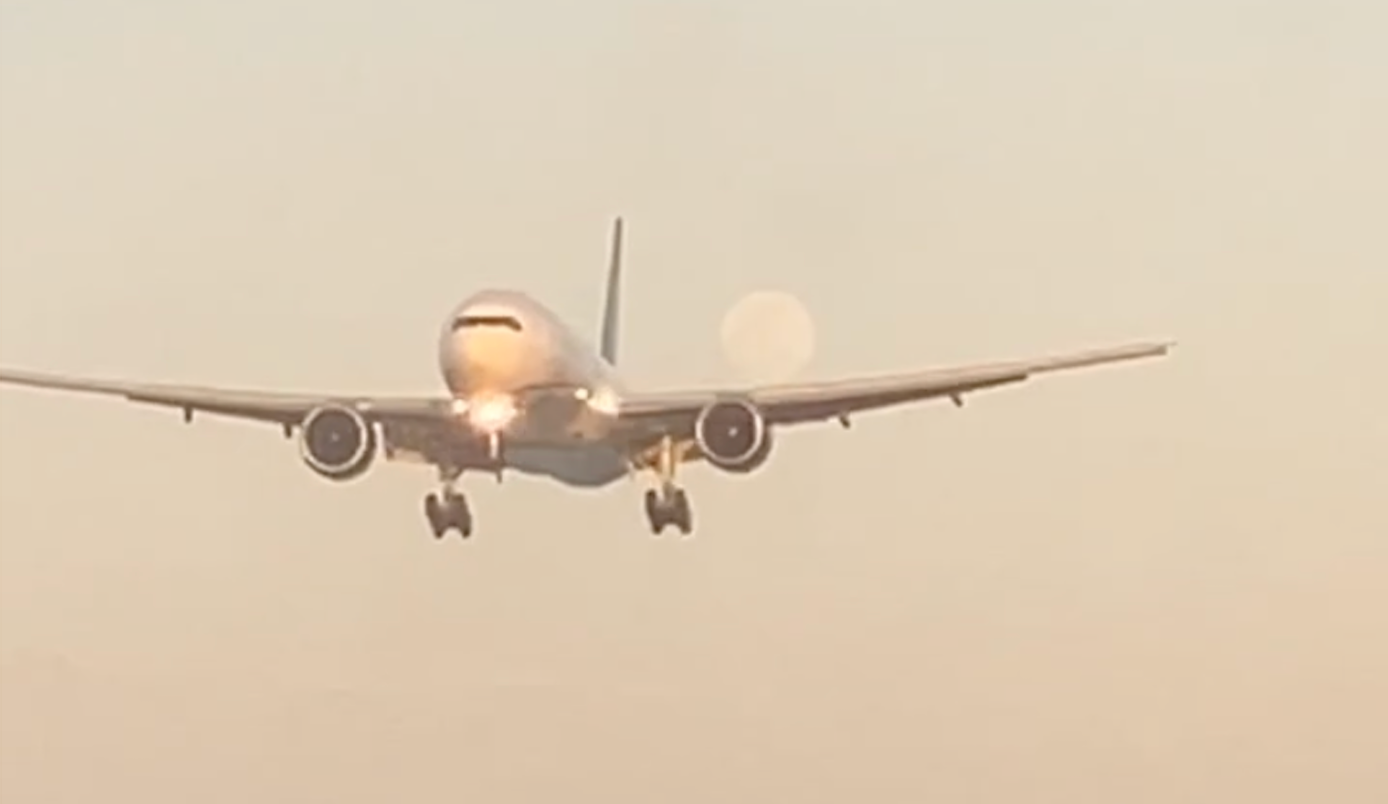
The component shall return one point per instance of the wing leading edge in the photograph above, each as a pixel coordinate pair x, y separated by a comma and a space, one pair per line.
796, 403
665, 411
264, 406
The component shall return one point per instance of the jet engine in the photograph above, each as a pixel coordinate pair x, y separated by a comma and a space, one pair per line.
733, 435
337, 442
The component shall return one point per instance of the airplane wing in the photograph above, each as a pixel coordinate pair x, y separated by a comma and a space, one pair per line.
674, 412
263, 406
645, 413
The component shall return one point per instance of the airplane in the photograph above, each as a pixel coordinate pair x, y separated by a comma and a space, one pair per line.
523, 392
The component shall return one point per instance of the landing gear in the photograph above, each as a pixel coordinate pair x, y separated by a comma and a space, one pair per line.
446, 512
448, 509
668, 505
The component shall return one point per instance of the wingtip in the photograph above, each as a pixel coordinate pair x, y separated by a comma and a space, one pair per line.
1154, 347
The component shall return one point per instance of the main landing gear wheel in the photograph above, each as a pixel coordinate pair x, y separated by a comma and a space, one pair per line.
667, 504
670, 508
447, 512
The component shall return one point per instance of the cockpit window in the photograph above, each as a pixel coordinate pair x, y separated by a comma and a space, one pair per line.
509, 322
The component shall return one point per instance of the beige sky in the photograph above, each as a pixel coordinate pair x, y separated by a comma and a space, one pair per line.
1145, 584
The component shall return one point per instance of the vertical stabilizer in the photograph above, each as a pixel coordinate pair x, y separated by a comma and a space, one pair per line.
612, 308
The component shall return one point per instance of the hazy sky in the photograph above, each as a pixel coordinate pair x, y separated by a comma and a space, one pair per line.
1155, 583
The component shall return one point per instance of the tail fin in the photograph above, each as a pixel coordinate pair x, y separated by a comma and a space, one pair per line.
613, 304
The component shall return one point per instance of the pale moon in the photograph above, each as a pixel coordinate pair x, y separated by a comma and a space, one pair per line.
768, 336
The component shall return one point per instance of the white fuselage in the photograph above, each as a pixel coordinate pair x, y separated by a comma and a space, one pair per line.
504, 342
500, 344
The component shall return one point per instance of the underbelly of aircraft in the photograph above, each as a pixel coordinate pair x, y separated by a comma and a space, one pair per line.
589, 466
572, 461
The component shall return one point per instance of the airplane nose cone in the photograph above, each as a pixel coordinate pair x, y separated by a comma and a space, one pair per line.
486, 359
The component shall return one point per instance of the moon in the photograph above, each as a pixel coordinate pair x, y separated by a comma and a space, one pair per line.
768, 336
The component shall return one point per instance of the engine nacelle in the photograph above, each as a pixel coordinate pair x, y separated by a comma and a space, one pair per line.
733, 435
337, 442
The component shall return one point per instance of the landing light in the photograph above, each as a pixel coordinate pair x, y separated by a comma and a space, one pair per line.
491, 414
602, 400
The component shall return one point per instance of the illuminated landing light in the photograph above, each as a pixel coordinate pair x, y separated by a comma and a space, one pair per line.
493, 414
490, 414
603, 400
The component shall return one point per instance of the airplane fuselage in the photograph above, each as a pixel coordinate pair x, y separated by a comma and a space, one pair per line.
503, 342
499, 343
526, 393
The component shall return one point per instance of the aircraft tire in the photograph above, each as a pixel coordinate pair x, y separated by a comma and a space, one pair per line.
683, 514
460, 515
433, 511
655, 512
